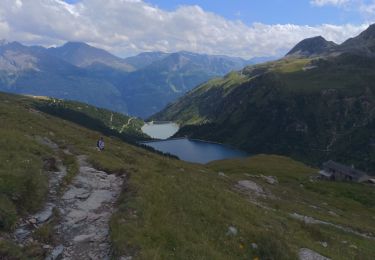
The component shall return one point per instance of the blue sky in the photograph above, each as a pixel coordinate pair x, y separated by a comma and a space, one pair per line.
269, 11
301, 12
244, 28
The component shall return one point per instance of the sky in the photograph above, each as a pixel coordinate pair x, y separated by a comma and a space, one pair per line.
244, 28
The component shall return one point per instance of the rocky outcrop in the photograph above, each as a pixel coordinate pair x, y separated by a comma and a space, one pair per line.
312, 46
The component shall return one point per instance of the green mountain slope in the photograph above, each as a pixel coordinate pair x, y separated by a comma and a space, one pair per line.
171, 209
313, 109
100, 119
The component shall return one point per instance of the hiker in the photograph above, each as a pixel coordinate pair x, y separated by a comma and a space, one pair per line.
100, 144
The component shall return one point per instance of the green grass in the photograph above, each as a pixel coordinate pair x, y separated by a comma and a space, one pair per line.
23, 184
290, 65
72, 168
186, 214
171, 209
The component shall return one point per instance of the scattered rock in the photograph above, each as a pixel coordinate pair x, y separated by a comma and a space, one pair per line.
45, 214
47, 142
250, 186
353, 246
83, 196
126, 258
32, 221
270, 179
308, 254
324, 244
82, 238
344, 242
254, 246
232, 231
221, 174
21, 233
76, 216
46, 247
311, 220
56, 253
332, 213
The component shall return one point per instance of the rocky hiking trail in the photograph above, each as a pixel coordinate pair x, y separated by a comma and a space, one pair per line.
86, 208
83, 212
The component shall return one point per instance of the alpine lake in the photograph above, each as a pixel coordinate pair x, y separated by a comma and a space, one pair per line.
196, 151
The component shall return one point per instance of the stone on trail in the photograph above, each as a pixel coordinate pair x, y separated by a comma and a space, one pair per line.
82, 238
56, 253
45, 214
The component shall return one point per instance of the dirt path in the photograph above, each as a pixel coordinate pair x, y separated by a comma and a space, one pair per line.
85, 210
126, 125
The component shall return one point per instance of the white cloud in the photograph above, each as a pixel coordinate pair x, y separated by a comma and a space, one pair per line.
365, 8
126, 27
329, 2
368, 9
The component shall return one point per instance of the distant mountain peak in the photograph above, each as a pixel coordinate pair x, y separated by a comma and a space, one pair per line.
312, 46
84, 55
74, 44
364, 42
369, 32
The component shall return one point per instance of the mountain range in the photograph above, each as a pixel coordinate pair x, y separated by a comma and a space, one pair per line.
316, 103
139, 85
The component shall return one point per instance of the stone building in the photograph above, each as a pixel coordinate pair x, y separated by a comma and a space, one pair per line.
338, 172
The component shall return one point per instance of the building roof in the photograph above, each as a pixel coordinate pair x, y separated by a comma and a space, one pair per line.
343, 168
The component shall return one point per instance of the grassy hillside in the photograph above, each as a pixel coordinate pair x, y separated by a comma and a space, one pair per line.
311, 109
99, 119
171, 209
